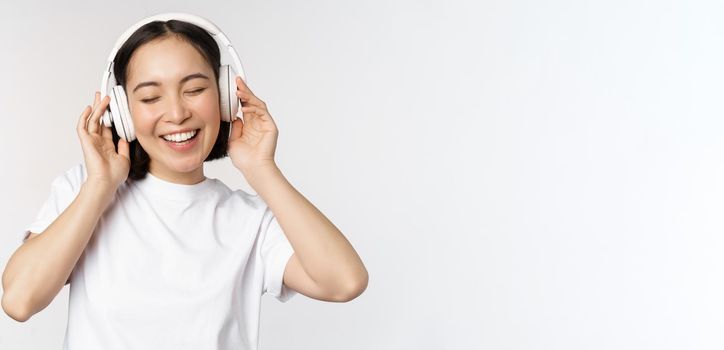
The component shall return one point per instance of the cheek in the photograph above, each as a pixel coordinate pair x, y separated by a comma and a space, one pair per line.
209, 105
207, 108
143, 120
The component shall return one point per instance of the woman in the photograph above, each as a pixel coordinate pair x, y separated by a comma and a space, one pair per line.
158, 255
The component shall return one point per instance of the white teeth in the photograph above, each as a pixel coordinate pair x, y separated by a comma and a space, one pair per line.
180, 136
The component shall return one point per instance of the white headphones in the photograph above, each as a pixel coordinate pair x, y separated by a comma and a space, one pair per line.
120, 115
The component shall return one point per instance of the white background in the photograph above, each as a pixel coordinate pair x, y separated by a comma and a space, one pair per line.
514, 174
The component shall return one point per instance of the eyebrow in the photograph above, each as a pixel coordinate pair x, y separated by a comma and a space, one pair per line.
185, 79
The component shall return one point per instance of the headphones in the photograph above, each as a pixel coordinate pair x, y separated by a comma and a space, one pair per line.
120, 115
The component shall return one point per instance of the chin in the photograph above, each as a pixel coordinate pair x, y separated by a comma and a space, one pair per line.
186, 166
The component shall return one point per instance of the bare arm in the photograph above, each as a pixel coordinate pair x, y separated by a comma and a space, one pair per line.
39, 268
324, 264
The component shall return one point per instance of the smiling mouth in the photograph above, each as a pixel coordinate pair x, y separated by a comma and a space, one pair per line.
178, 140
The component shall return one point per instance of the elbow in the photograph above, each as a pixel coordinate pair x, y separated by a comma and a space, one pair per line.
11, 304
354, 289
14, 308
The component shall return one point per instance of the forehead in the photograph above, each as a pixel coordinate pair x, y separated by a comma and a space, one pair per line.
168, 58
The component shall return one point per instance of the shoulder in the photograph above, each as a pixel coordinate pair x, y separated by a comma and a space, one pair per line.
239, 197
72, 178
77, 173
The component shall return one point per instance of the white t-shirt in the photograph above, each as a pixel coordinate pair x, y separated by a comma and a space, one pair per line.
171, 266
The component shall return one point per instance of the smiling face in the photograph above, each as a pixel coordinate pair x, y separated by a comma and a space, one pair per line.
171, 88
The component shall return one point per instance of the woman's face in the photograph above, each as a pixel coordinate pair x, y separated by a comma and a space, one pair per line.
172, 89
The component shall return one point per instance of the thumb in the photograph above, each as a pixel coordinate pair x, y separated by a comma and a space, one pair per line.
236, 129
123, 148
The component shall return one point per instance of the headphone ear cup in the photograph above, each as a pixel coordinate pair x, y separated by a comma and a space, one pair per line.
228, 103
121, 115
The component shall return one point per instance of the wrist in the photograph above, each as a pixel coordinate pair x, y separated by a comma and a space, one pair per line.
256, 173
258, 167
98, 189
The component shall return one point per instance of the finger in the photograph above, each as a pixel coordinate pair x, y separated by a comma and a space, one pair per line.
94, 119
123, 148
80, 128
246, 91
248, 99
254, 111
96, 97
106, 132
237, 127
241, 84
93, 124
243, 88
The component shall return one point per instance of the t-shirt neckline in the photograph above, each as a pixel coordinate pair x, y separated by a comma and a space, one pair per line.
169, 190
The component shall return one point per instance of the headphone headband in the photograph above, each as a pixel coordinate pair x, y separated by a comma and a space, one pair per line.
212, 29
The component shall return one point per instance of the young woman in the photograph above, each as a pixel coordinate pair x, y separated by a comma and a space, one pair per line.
158, 255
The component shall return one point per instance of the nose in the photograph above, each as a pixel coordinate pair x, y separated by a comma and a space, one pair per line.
177, 111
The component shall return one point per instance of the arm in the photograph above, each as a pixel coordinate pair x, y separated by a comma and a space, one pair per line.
39, 268
324, 264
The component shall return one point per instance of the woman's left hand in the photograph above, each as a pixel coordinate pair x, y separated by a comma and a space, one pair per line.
252, 142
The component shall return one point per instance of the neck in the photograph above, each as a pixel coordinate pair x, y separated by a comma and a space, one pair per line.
184, 178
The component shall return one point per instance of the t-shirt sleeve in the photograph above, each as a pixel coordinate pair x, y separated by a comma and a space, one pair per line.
63, 191
275, 253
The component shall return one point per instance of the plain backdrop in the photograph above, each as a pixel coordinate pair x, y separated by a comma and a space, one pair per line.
514, 174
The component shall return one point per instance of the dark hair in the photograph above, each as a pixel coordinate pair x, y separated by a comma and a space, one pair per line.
204, 44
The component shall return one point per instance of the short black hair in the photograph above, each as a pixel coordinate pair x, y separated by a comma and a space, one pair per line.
200, 39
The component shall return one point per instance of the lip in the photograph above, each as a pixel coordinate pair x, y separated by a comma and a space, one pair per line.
178, 131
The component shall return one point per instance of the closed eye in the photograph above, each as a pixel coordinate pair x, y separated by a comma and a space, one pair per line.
195, 92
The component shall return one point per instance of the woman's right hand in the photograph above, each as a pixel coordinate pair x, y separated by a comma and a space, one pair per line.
104, 165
